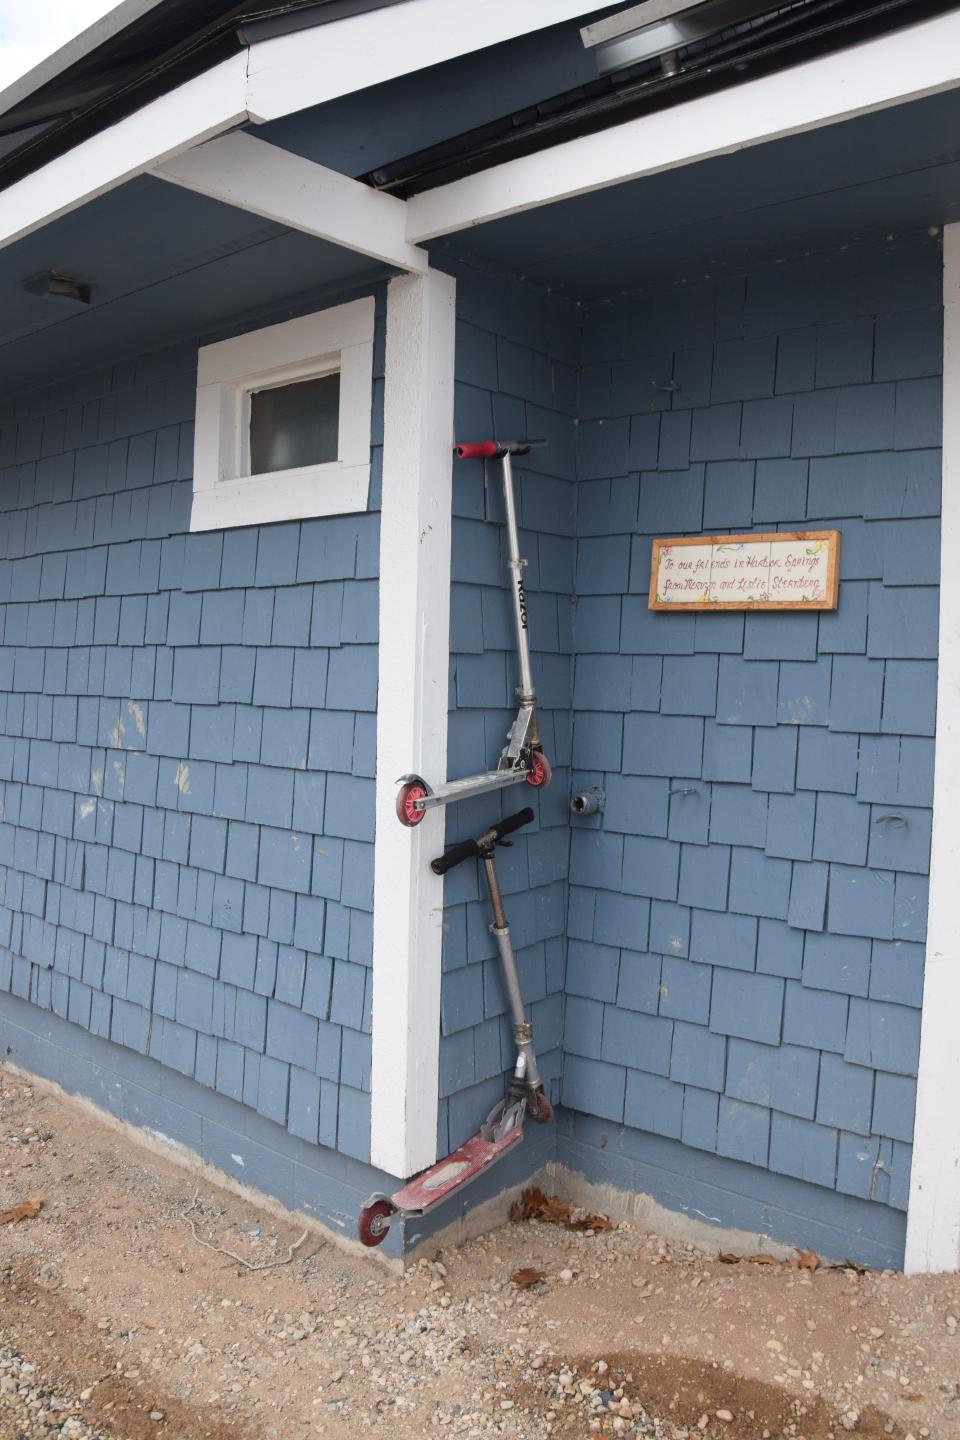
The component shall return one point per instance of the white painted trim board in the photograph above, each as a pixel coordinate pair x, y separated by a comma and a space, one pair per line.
915, 61
412, 717
933, 1214
253, 175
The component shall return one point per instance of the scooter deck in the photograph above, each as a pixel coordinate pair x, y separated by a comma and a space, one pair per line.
483, 784
465, 1164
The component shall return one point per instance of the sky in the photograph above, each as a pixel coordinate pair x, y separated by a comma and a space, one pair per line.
31, 29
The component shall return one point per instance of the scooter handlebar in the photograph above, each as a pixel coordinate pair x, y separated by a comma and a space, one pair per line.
467, 849
478, 450
495, 449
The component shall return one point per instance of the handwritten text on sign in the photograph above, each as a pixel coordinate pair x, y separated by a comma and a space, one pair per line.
785, 570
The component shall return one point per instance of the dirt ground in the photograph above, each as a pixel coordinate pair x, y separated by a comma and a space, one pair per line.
116, 1322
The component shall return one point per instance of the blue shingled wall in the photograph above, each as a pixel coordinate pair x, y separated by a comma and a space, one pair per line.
516, 378
187, 748
747, 918
187, 741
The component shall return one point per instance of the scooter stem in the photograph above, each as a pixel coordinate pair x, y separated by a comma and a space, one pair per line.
526, 1072
516, 565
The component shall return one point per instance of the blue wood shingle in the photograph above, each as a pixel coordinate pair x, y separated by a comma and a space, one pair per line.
804, 1149
747, 692
697, 1057
790, 825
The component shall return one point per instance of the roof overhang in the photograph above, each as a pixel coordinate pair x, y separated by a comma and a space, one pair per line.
906, 64
272, 78
282, 75
902, 67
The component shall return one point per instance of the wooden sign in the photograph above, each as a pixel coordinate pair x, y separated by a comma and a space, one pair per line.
785, 570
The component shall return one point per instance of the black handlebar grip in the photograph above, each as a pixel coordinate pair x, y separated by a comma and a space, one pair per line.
468, 848
454, 856
513, 822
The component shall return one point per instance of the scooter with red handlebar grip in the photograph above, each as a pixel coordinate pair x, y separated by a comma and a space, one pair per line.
522, 758
478, 450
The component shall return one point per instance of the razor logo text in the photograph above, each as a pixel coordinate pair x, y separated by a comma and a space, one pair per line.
522, 599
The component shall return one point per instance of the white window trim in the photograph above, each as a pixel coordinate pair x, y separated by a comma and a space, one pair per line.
224, 496
933, 1214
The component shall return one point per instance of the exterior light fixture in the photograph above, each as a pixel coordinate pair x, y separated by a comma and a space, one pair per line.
60, 286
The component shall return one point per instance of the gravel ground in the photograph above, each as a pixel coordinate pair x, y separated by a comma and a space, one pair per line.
30, 1406
117, 1324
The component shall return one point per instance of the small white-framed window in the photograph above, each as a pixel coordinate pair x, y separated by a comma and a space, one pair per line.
283, 420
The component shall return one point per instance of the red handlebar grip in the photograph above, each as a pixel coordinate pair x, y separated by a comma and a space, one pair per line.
479, 450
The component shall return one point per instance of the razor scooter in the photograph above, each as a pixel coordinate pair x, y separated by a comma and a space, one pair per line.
522, 757
503, 1127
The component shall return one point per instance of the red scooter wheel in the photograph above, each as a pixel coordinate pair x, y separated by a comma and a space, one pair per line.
409, 794
539, 1108
374, 1223
540, 771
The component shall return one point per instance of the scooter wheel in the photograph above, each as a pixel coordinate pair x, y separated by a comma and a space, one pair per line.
408, 795
539, 1108
540, 771
374, 1223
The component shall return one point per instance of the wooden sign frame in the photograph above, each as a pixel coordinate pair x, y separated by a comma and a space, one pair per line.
829, 538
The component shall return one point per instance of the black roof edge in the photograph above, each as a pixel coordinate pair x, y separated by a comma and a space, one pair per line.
797, 33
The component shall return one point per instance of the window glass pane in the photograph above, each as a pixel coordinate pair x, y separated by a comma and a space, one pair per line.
293, 425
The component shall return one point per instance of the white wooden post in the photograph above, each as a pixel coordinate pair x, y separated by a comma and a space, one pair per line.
412, 716
933, 1216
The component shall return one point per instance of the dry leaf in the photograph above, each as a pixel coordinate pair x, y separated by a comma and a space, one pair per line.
763, 1260
26, 1210
534, 1205
804, 1260
555, 1210
913, 1399
851, 1265
526, 1278
591, 1222
729, 1259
